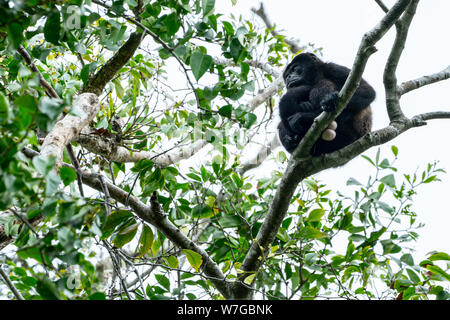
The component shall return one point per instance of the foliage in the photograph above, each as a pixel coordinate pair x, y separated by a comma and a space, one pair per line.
66, 246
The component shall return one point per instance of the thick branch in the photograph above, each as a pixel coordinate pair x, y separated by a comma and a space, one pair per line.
98, 81
267, 93
70, 126
10, 285
108, 148
389, 77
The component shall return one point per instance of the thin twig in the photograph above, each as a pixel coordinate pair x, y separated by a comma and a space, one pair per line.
10, 285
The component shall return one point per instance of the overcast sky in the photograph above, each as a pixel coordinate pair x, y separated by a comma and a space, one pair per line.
338, 26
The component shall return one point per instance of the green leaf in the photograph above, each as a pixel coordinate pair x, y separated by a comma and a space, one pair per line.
116, 218
15, 34
389, 180
436, 270
413, 276
248, 280
172, 23
430, 179
52, 27
208, 6
172, 261
316, 215
200, 63
47, 289
52, 107
68, 175
390, 247
163, 281
353, 181
4, 109
146, 240
408, 259
66, 238
43, 164
439, 256
394, 150
236, 49
52, 183
226, 111
311, 233
194, 259
97, 296
126, 234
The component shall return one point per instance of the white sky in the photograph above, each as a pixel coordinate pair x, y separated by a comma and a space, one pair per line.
338, 26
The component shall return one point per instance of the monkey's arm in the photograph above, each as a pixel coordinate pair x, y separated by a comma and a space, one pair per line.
324, 96
364, 94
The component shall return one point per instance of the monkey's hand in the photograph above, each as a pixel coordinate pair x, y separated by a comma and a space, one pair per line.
300, 122
290, 142
330, 101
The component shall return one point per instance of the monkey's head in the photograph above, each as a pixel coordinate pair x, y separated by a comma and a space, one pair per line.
304, 69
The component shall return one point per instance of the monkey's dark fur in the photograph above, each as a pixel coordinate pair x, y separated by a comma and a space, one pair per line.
312, 87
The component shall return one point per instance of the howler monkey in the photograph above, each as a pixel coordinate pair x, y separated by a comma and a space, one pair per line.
312, 87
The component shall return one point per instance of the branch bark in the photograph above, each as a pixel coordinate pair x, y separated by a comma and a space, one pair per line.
260, 155
389, 77
70, 126
97, 82
410, 85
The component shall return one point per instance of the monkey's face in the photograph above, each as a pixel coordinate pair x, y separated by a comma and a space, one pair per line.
301, 71
295, 76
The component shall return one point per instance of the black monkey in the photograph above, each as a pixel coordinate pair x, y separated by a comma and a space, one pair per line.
312, 87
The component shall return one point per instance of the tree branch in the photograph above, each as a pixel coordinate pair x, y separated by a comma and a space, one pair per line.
10, 285
260, 155
98, 81
48, 88
70, 126
389, 76
410, 85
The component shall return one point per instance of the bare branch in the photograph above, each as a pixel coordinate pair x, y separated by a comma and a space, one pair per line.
410, 85
431, 116
260, 156
10, 285
107, 147
50, 91
382, 6
389, 77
